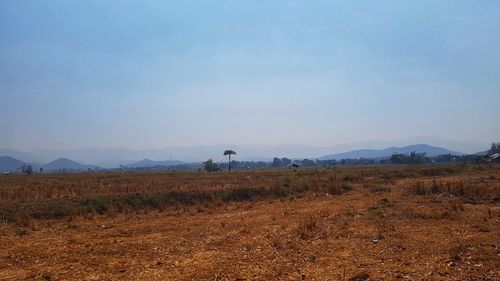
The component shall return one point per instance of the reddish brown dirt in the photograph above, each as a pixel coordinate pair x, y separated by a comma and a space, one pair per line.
310, 237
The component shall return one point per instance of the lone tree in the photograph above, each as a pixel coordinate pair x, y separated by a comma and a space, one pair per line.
229, 153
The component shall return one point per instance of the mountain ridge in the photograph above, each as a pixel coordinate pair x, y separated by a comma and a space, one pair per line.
388, 152
66, 164
146, 163
10, 164
116, 157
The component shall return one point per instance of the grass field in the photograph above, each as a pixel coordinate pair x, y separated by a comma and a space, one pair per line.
429, 222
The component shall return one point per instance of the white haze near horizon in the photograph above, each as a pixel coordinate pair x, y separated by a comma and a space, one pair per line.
152, 74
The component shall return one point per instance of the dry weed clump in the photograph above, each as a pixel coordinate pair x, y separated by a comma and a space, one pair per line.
308, 228
456, 188
471, 190
336, 186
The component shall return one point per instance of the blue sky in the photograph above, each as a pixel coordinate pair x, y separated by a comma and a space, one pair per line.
150, 74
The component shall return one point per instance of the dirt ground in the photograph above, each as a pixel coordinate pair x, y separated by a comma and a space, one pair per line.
363, 234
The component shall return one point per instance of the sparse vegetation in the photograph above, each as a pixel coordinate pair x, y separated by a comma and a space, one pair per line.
320, 221
59, 196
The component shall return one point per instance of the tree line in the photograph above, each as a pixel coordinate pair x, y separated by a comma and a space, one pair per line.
398, 158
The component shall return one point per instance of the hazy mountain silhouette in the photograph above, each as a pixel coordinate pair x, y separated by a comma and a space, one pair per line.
145, 163
66, 164
114, 157
22, 156
383, 153
9, 164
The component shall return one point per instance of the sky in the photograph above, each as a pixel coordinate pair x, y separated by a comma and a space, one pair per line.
151, 74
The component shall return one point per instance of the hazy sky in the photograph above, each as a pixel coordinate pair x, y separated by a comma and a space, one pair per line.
149, 74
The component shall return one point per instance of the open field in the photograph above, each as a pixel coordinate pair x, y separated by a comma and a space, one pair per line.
431, 222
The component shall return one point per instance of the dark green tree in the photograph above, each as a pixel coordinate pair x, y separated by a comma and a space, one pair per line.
307, 163
210, 166
277, 162
286, 162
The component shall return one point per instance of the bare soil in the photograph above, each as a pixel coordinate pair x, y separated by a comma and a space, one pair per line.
378, 228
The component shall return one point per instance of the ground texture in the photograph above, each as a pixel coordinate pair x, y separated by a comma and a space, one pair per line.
417, 228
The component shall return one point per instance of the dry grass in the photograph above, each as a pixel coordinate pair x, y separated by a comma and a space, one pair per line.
363, 223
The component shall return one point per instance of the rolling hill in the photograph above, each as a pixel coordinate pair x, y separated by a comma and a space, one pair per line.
66, 164
9, 164
385, 153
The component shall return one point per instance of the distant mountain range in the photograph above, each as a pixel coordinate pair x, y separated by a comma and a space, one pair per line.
114, 157
145, 163
386, 153
66, 164
10, 164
